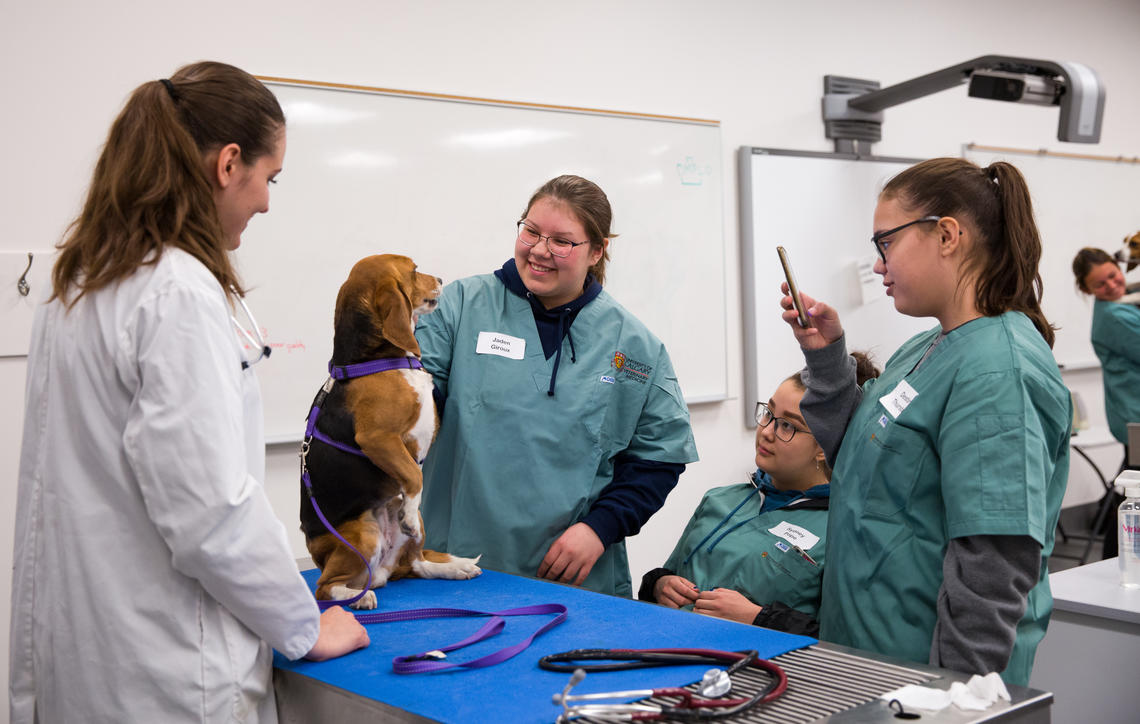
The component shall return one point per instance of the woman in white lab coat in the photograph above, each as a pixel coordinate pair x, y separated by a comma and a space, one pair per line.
151, 575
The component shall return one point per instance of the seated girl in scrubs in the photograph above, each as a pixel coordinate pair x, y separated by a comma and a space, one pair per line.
562, 423
754, 552
1116, 341
950, 466
151, 576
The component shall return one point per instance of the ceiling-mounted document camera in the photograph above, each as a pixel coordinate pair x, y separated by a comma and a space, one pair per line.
853, 107
998, 85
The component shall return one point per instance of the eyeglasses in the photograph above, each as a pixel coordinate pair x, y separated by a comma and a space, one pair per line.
881, 246
557, 246
253, 339
784, 429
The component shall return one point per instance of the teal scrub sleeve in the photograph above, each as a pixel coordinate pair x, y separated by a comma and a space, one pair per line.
995, 458
1119, 331
435, 333
663, 432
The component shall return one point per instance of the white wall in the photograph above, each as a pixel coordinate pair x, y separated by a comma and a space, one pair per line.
757, 66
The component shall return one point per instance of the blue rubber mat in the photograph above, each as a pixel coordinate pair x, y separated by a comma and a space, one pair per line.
517, 690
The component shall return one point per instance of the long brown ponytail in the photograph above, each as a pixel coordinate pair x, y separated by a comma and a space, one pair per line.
150, 186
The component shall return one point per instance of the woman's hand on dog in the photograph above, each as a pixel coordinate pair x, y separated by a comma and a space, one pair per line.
572, 556
340, 634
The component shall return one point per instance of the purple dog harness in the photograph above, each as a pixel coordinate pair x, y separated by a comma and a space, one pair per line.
343, 372
431, 660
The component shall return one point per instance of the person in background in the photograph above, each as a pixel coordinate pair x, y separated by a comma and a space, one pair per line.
150, 574
1116, 341
952, 464
562, 424
755, 552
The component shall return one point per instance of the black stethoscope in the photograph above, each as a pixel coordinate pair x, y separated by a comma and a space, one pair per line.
711, 704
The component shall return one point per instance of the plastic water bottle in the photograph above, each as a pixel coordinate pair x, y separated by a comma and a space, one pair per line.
1128, 534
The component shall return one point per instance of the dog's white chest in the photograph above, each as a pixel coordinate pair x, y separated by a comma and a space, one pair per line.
424, 428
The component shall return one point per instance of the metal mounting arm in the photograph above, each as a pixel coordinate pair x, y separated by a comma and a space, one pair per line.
852, 107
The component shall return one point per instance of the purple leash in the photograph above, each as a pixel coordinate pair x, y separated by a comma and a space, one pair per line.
430, 661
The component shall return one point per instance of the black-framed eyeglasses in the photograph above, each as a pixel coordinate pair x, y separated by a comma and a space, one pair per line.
558, 246
785, 430
881, 245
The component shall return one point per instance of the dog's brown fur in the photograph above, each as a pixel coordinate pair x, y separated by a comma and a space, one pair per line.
1131, 251
377, 505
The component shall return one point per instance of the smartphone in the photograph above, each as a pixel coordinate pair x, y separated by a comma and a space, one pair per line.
793, 288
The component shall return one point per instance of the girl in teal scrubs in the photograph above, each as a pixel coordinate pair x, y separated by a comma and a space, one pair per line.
1115, 337
952, 464
562, 424
755, 552
1116, 341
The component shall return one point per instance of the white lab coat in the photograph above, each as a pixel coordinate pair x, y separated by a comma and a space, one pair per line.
149, 567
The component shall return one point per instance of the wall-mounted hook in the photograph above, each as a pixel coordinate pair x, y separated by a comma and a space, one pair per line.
22, 284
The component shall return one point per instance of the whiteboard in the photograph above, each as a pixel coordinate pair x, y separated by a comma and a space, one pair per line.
443, 180
1078, 202
819, 207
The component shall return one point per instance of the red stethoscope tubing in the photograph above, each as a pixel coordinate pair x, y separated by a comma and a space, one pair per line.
773, 669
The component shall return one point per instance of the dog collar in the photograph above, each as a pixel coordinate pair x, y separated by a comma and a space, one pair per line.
347, 372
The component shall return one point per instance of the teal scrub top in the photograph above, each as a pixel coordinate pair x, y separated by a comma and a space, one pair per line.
513, 467
981, 448
1116, 341
752, 552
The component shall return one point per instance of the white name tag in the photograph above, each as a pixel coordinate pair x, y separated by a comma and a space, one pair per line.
899, 398
803, 538
501, 344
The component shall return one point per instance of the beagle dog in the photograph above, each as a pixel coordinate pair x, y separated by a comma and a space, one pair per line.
370, 436
1130, 251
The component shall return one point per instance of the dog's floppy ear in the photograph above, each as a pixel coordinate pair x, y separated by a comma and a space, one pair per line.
394, 312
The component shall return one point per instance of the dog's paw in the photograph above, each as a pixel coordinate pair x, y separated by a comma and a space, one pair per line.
367, 602
409, 519
411, 528
456, 569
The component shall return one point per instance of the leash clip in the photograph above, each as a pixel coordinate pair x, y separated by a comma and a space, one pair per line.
435, 655
304, 454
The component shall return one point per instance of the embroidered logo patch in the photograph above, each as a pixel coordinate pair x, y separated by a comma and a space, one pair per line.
607, 379
783, 546
630, 368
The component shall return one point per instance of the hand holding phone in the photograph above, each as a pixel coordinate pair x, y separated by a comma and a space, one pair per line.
793, 288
